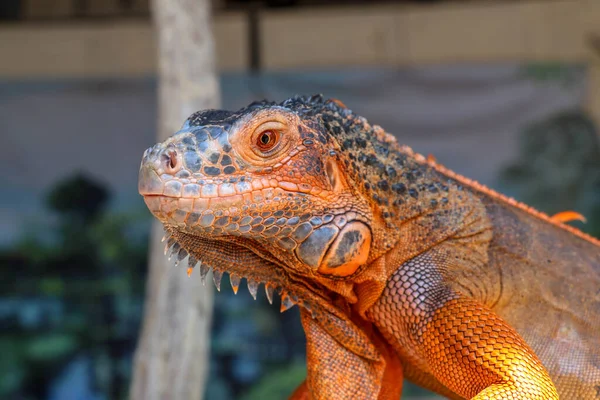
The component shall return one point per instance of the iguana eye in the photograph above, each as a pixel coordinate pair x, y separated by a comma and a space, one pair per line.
267, 140
264, 141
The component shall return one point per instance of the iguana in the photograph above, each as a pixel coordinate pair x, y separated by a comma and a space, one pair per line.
401, 268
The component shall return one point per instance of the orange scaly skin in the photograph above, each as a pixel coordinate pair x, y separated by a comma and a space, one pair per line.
401, 267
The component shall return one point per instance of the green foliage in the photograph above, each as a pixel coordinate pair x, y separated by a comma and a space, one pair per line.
52, 286
12, 364
51, 347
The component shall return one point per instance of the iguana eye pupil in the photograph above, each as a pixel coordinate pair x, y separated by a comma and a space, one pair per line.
267, 140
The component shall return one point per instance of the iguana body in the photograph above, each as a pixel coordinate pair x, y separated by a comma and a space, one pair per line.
401, 267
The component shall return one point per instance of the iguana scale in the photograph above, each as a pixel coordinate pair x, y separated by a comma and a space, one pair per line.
401, 267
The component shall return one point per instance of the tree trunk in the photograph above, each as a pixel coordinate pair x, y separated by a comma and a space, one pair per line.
171, 361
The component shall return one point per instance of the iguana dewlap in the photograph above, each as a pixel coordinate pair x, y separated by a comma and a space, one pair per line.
401, 267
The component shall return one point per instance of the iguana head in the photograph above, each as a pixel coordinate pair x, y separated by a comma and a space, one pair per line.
275, 193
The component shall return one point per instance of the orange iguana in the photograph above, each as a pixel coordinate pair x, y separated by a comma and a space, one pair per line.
401, 267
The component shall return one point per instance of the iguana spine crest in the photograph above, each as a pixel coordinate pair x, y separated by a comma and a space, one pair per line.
490, 192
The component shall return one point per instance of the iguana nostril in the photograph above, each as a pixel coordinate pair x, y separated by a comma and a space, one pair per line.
171, 161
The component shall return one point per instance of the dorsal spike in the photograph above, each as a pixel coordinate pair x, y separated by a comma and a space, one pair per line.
287, 302
217, 275
174, 250
169, 244
235, 282
192, 261
182, 254
203, 272
252, 287
308, 308
568, 216
269, 290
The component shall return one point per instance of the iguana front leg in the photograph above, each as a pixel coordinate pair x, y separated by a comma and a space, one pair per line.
335, 372
462, 343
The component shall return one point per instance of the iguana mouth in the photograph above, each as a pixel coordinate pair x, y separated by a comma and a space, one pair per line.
208, 205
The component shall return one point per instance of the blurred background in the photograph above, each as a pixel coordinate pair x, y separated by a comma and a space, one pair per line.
505, 92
